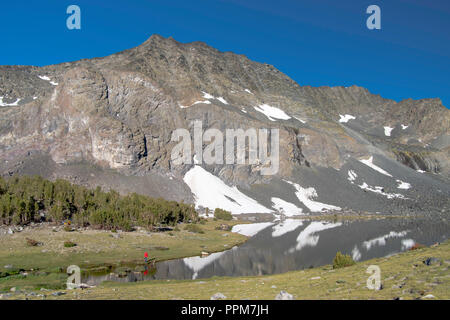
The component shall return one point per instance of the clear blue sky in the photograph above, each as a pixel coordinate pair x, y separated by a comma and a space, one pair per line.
315, 42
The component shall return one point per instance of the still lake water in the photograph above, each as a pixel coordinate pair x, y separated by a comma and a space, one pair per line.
294, 245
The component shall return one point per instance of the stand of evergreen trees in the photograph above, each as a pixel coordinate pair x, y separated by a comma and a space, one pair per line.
31, 198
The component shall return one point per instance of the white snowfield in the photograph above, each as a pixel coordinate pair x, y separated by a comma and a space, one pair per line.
48, 79
211, 192
222, 100
206, 95
309, 236
346, 118
286, 208
250, 229
4, 104
369, 162
387, 131
305, 196
272, 112
404, 127
352, 176
381, 241
379, 190
196, 102
44, 78
204, 101
403, 185
301, 120
285, 226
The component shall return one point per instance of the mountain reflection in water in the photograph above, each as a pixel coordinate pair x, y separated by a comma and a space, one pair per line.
297, 244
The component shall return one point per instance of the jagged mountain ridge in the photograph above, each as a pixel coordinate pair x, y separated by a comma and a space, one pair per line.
119, 112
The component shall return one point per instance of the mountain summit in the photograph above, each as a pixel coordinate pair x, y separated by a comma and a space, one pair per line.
109, 122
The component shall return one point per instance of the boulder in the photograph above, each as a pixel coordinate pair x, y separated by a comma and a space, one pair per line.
283, 295
218, 296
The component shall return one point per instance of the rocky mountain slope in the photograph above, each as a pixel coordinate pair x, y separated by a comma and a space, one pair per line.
109, 122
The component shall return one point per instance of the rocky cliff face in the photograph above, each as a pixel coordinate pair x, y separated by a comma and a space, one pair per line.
116, 115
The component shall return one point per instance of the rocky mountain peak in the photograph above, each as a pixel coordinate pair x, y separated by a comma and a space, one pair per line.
119, 112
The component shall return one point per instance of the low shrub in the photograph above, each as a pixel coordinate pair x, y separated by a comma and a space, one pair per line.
417, 246
194, 228
69, 244
33, 243
342, 260
224, 227
222, 214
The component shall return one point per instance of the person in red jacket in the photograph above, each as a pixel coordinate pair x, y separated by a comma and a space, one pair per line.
145, 257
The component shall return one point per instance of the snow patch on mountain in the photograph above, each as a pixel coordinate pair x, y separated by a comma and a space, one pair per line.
387, 131
305, 196
207, 95
346, 118
48, 79
272, 112
301, 120
4, 104
286, 208
352, 176
380, 190
403, 185
221, 99
204, 101
196, 102
211, 192
369, 162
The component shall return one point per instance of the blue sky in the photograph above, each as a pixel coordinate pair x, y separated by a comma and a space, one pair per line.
315, 42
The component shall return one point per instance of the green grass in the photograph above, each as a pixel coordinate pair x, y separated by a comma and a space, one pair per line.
194, 228
405, 269
97, 248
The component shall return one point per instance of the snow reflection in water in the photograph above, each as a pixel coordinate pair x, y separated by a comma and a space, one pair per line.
297, 244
